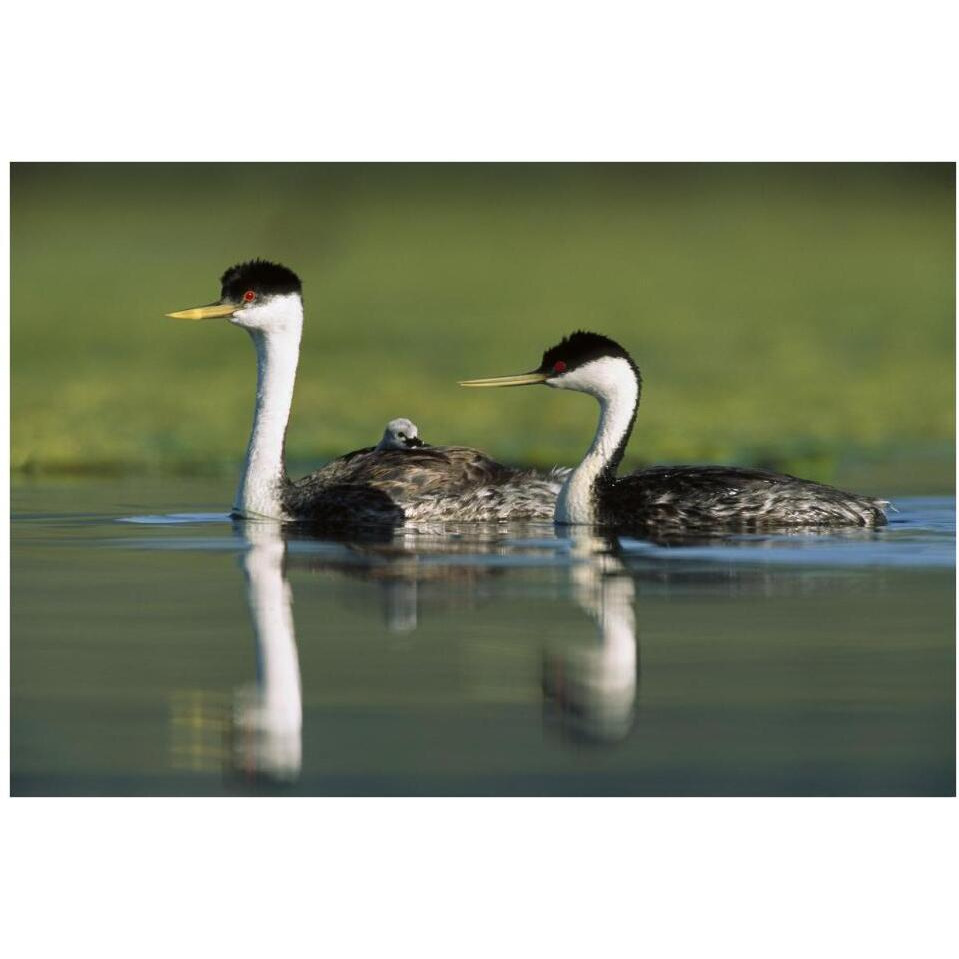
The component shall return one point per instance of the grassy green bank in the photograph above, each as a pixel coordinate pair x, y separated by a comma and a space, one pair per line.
795, 315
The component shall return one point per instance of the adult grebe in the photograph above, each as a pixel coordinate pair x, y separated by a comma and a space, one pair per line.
443, 483
669, 496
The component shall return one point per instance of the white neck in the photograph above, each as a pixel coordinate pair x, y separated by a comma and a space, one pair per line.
277, 353
614, 384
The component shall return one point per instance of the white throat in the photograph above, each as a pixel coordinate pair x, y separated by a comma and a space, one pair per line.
614, 384
277, 355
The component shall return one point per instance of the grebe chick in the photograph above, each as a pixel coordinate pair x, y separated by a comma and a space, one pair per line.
442, 483
669, 496
400, 434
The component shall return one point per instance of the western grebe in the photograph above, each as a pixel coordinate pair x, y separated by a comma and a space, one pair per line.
400, 434
442, 483
676, 496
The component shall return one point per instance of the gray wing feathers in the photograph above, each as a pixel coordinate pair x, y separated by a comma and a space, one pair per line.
721, 495
441, 483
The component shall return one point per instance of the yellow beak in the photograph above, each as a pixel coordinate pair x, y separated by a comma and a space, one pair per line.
210, 312
521, 379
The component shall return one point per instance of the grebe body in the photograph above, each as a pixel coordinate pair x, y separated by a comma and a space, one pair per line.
693, 497
379, 485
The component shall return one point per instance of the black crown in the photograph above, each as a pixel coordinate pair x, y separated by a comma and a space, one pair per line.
579, 348
261, 276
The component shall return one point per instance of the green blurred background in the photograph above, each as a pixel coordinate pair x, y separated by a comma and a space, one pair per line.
799, 316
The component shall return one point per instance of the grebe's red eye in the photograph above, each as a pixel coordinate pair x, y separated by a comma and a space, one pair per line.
249, 296
559, 367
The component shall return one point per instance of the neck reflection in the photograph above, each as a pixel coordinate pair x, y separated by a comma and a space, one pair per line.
590, 680
268, 717
591, 684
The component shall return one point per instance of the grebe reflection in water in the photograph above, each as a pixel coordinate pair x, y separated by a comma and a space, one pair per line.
268, 717
590, 682
590, 685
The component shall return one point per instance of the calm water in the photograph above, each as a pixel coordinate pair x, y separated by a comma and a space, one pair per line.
159, 649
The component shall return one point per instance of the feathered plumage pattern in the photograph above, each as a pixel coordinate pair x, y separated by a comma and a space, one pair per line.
442, 483
701, 497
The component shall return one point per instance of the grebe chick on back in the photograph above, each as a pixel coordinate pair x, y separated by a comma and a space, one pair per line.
444, 483
675, 496
400, 434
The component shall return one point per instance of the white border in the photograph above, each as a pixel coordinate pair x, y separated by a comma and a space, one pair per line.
505, 80
518, 81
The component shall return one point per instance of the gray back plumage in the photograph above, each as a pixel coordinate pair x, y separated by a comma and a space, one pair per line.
438, 483
731, 497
